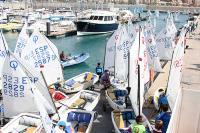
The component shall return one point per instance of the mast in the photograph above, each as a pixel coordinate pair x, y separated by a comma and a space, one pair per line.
139, 72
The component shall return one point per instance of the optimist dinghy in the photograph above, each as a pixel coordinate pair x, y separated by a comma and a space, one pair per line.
80, 121
85, 99
23, 123
80, 82
75, 59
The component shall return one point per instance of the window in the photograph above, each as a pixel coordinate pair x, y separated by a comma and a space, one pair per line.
95, 17
91, 17
106, 18
100, 18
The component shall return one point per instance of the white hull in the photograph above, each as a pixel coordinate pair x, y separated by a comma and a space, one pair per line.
79, 33
59, 103
75, 60
24, 121
122, 124
79, 83
66, 117
85, 99
119, 85
110, 98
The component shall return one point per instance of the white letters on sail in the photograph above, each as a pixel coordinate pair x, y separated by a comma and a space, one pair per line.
175, 71
39, 53
121, 55
111, 49
17, 96
40, 103
3, 53
153, 57
22, 40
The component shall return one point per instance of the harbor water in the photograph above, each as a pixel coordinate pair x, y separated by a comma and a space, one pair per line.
94, 45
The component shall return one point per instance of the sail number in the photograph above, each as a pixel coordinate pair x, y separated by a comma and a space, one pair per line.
152, 51
15, 86
3, 53
40, 55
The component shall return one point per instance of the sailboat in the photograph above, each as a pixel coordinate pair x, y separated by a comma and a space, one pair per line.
42, 54
116, 95
123, 119
17, 80
165, 41
85, 100
174, 78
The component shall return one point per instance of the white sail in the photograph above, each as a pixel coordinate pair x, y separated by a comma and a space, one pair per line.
41, 102
133, 74
22, 40
132, 31
121, 55
3, 53
165, 44
143, 54
17, 96
144, 69
186, 114
175, 114
171, 27
110, 50
175, 71
39, 53
153, 57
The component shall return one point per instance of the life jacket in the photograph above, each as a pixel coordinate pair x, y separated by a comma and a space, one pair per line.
58, 96
99, 69
138, 128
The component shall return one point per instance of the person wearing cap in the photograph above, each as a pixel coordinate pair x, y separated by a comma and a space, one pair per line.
165, 117
60, 128
138, 126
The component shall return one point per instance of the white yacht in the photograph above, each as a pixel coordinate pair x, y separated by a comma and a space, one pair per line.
100, 22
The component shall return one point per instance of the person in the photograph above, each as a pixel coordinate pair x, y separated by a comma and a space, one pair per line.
63, 57
162, 100
138, 127
60, 128
105, 80
99, 70
158, 126
165, 117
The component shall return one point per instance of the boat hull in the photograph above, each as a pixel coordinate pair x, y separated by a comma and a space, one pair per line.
87, 28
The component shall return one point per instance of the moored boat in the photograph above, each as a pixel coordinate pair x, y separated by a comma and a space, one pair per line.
79, 120
73, 60
80, 82
100, 22
23, 123
85, 99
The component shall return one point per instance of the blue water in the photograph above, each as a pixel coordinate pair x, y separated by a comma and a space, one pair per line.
94, 45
